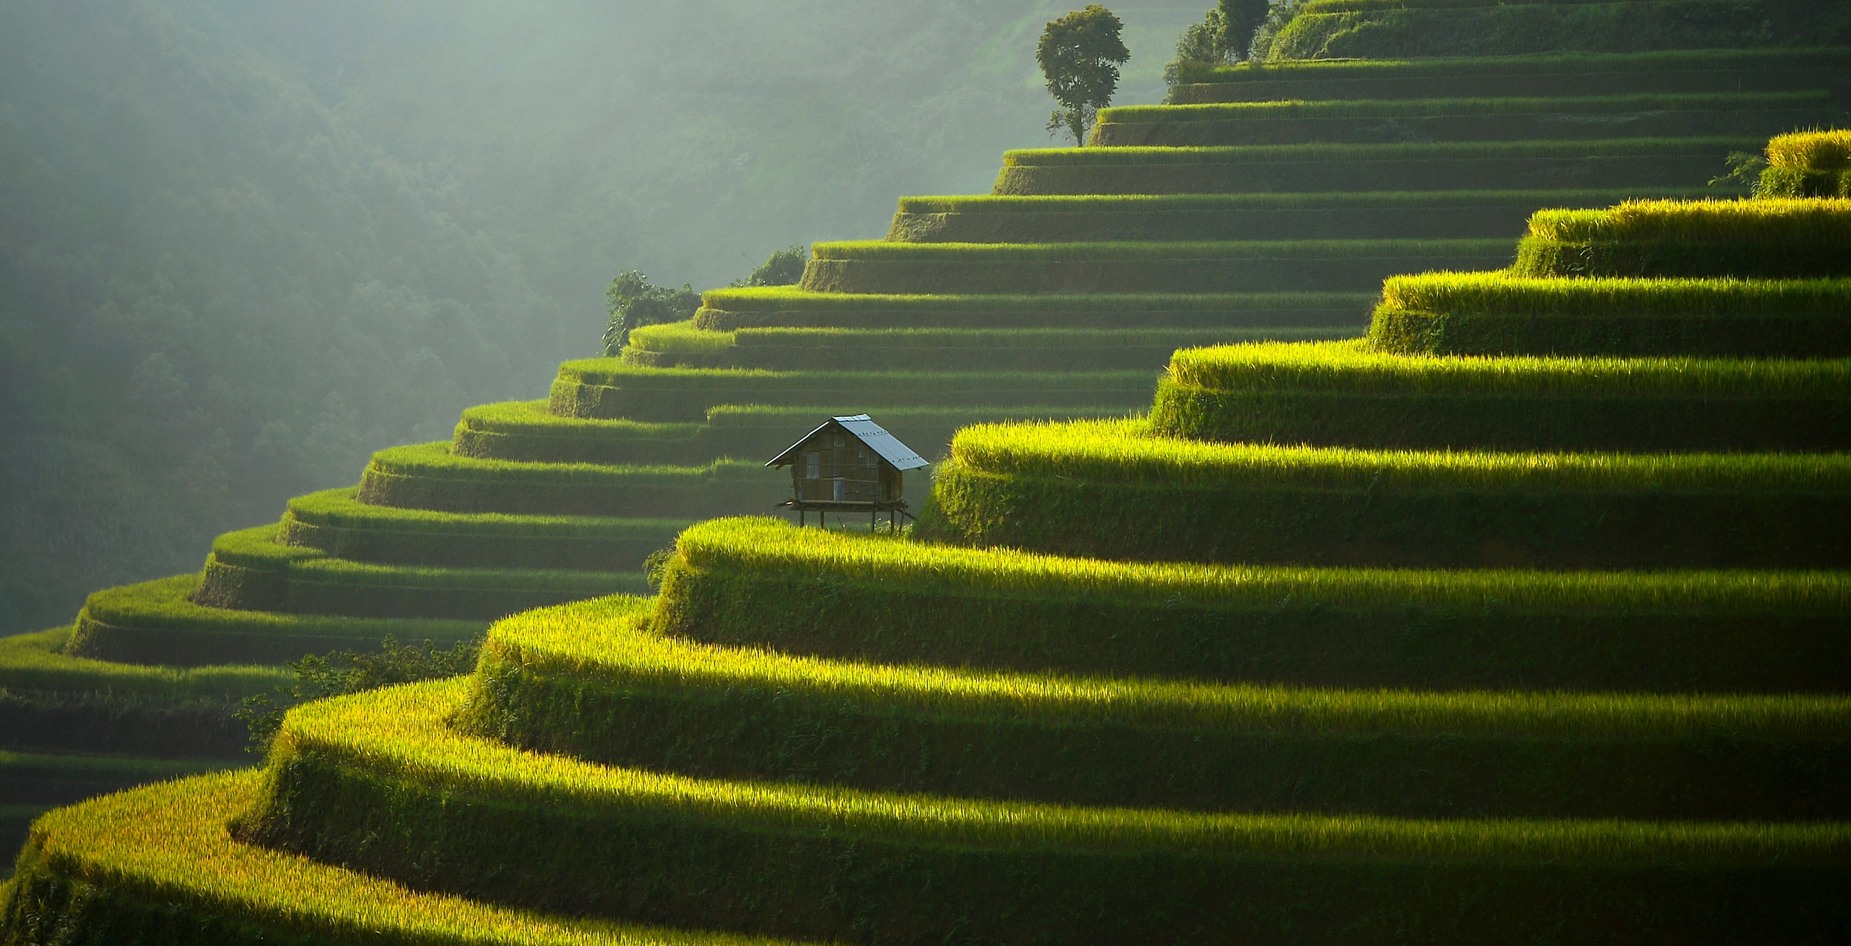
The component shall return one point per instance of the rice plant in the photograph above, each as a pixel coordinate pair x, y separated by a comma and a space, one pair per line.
1744, 221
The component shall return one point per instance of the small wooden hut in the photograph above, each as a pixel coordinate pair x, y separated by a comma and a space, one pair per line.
848, 465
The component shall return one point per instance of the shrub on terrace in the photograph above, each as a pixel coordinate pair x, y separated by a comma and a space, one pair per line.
632, 302
784, 268
343, 672
1224, 35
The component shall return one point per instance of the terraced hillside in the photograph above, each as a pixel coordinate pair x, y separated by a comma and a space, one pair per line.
1521, 619
1268, 203
1374, 29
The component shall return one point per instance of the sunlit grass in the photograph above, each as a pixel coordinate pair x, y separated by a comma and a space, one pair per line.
765, 384
683, 338
1479, 150
435, 461
1504, 294
37, 663
1291, 110
1124, 452
1698, 221
400, 733
164, 605
1359, 200
1355, 367
609, 643
259, 549
339, 509
755, 545
1148, 250
1811, 150
168, 844
792, 297
532, 418
1618, 64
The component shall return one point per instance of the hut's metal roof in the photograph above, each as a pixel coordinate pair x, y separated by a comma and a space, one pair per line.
862, 428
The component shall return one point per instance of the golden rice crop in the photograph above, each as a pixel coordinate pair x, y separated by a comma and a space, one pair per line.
400, 733
1700, 221
169, 843
610, 641
1501, 293
1811, 150
1124, 451
1354, 366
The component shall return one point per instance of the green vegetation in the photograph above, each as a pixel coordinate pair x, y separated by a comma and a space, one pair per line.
1373, 29
1522, 619
632, 303
1079, 55
158, 860
752, 583
1461, 107
727, 311
1204, 42
1310, 7
342, 673
1487, 313
1270, 217
37, 662
329, 234
1349, 394
156, 622
429, 477
527, 431
609, 388
52, 772
52, 701
1143, 251
766, 857
592, 681
1775, 238
250, 570
1808, 164
1308, 265
1042, 350
1811, 150
1783, 223
1224, 35
1319, 168
1103, 489
783, 268
1342, 153
1443, 119
1644, 71
31, 783
1266, 202
337, 523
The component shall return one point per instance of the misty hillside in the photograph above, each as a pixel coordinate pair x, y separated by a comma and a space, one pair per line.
243, 244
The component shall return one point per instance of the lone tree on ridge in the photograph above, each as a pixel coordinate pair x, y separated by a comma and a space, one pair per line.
1080, 54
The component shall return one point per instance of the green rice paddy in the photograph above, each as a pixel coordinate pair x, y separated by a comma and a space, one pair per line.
1522, 617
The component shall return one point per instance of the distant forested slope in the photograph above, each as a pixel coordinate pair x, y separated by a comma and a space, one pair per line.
245, 242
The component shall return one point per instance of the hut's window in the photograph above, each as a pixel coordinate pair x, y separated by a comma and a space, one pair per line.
812, 465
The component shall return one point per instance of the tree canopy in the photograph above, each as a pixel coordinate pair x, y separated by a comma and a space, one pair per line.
1225, 35
1080, 54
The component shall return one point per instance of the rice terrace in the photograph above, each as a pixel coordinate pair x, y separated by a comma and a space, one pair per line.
1390, 485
